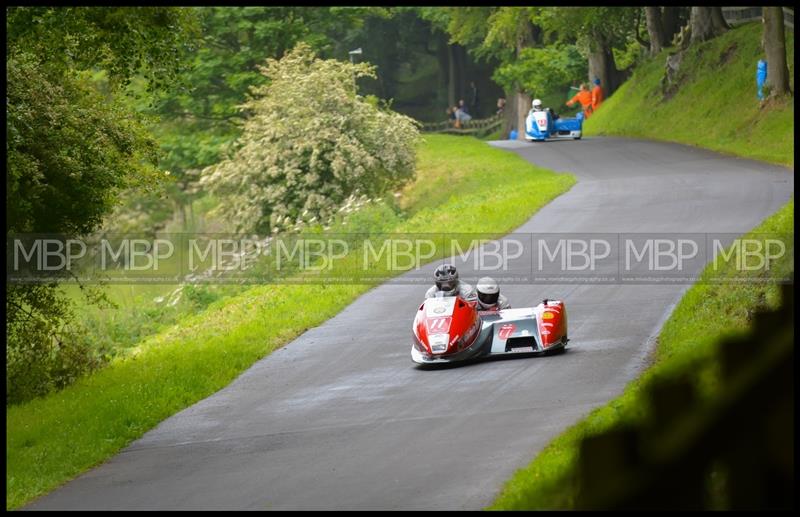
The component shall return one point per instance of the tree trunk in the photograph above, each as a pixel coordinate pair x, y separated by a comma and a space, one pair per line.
775, 48
523, 107
526, 35
510, 113
670, 23
654, 29
452, 80
442, 55
700, 22
192, 222
180, 211
603, 66
461, 58
718, 20
706, 23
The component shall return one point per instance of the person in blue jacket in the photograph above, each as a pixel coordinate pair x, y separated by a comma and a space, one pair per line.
761, 78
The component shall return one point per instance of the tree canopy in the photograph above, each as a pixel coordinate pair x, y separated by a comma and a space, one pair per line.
71, 149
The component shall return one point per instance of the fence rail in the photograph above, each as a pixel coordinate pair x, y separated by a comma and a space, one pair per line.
479, 126
738, 15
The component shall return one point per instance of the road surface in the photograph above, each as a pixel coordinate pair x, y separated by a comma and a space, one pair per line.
341, 419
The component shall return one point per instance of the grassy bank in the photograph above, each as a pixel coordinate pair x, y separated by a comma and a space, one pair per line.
704, 315
52, 439
715, 106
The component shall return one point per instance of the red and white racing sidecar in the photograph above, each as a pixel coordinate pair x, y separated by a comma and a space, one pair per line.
450, 329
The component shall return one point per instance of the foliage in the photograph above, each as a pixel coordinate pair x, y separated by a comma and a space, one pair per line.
200, 114
466, 26
121, 40
110, 331
69, 154
590, 27
509, 28
541, 70
72, 147
42, 349
490, 32
69, 150
310, 143
405, 42
234, 40
514, 36
629, 55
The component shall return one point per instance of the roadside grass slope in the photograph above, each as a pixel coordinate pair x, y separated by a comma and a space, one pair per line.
715, 106
52, 439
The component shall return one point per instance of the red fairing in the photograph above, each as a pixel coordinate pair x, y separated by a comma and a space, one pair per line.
552, 323
462, 326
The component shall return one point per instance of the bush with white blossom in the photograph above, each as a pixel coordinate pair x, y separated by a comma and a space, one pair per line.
309, 145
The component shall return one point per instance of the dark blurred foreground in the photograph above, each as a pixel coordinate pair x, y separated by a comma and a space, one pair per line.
733, 451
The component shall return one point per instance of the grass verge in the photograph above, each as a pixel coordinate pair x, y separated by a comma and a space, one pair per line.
52, 439
715, 105
688, 339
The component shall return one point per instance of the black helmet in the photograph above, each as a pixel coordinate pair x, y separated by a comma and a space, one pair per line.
446, 277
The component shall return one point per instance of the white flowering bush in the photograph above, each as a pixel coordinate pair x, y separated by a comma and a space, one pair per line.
310, 144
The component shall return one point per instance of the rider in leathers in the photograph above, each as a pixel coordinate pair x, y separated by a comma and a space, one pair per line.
448, 284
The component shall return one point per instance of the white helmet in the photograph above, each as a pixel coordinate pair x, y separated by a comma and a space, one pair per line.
488, 291
537, 104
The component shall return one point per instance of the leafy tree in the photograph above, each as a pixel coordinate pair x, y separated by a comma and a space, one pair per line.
467, 26
201, 116
44, 350
123, 41
597, 31
310, 143
541, 70
71, 150
72, 147
498, 32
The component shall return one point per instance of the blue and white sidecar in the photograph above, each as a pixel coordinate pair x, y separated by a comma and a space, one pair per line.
539, 126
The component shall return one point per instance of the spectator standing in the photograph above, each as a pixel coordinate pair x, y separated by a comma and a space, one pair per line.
597, 95
451, 115
584, 97
461, 115
501, 106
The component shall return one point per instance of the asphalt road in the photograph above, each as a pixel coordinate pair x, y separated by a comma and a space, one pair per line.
341, 419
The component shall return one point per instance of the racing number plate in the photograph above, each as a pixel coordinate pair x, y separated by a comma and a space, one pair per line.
438, 325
